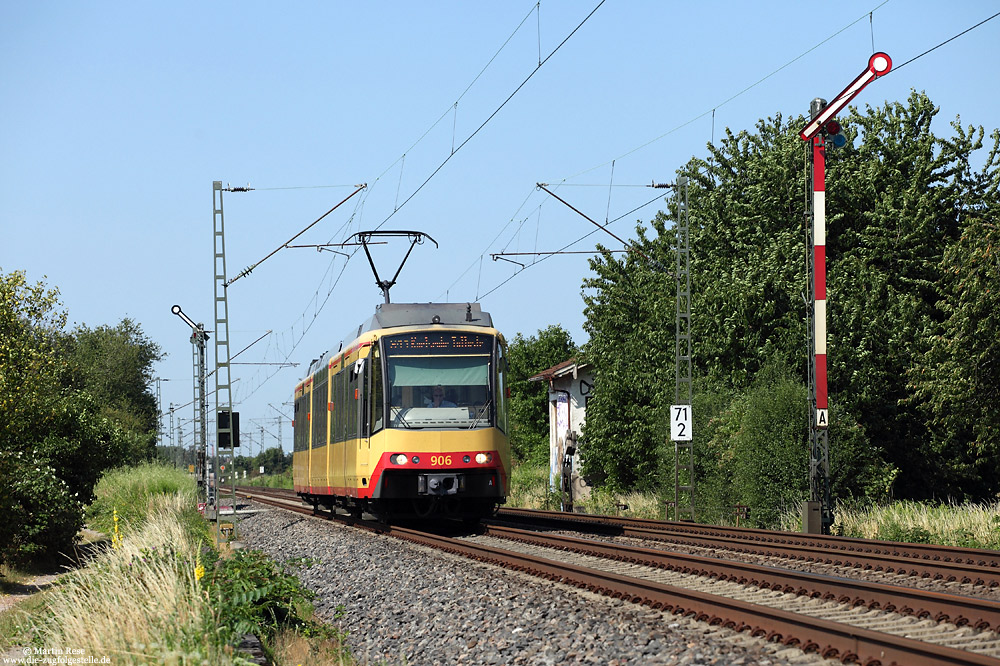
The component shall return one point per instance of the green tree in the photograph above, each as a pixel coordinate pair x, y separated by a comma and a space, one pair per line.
273, 460
896, 199
31, 370
957, 376
748, 257
528, 408
115, 366
41, 509
630, 312
54, 439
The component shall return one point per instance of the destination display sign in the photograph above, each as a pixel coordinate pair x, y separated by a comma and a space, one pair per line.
433, 342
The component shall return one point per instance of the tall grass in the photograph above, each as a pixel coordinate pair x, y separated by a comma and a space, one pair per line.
529, 489
131, 491
140, 603
161, 596
966, 525
283, 480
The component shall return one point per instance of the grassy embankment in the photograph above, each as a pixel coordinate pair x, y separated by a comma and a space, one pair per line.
162, 595
967, 525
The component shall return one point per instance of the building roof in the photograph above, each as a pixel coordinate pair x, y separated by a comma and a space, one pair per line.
570, 367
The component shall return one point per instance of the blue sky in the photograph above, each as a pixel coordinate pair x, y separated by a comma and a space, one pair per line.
115, 118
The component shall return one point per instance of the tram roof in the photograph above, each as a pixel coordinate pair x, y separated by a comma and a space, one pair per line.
391, 315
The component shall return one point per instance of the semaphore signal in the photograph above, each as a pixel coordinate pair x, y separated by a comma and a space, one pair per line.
818, 511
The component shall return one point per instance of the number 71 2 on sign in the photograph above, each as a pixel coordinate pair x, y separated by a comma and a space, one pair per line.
680, 423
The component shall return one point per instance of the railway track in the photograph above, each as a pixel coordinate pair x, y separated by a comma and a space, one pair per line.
964, 565
844, 619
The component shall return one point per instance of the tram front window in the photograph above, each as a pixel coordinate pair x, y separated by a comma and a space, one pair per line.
439, 391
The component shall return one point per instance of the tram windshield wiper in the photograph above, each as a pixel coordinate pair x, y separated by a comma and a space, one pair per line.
484, 412
399, 418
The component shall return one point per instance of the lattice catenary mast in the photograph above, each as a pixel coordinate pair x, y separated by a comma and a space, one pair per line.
680, 410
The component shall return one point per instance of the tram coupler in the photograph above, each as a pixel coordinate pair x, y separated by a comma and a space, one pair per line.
440, 484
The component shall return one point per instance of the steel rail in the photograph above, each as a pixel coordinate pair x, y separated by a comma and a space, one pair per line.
979, 556
827, 638
959, 610
966, 565
830, 639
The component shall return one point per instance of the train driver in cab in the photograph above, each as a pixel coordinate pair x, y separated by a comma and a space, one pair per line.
437, 398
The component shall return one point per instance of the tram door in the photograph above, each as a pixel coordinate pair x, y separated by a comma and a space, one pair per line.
341, 476
359, 389
307, 430
301, 441
318, 451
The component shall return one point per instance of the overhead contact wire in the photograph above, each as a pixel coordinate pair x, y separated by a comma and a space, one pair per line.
569, 245
899, 67
493, 115
730, 99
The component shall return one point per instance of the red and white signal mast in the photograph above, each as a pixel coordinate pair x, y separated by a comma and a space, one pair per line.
817, 515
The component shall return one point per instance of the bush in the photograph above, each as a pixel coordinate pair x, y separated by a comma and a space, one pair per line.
754, 451
254, 594
904, 534
40, 515
283, 480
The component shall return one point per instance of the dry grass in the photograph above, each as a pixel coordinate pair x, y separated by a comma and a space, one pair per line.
13, 577
139, 604
292, 649
633, 505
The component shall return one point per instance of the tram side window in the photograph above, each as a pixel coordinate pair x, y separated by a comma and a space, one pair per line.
377, 397
319, 408
301, 441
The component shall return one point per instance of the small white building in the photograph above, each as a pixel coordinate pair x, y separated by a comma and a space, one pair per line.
570, 386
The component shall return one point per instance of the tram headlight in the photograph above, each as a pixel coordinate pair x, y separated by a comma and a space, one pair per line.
483, 458
415, 460
398, 459
466, 459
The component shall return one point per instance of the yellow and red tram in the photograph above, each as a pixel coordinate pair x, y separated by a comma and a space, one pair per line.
408, 417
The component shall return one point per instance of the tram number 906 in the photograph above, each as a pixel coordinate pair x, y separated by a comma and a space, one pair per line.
438, 461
